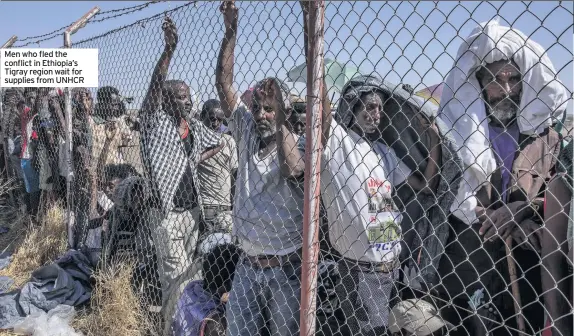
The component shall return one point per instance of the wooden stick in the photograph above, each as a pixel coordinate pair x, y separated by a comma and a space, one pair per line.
514, 284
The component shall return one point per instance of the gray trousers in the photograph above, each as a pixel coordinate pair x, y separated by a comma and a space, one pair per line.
175, 239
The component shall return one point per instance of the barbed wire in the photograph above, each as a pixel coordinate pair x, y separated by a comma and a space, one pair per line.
150, 18
127, 10
55, 33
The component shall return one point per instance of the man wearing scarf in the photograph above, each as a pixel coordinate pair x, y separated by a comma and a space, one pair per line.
172, 145
500, 100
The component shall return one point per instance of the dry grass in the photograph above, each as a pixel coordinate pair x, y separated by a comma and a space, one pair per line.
10, 217
114, 308
42, 245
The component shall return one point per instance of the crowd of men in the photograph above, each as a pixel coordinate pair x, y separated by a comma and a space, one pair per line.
435, 220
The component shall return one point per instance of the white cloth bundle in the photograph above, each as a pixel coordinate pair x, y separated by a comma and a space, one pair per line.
463, 109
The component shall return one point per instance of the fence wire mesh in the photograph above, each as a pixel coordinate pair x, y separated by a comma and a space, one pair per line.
446, 166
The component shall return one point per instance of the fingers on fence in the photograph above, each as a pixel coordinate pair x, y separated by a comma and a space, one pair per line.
445, 186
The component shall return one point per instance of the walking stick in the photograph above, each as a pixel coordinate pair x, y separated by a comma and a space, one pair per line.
514, 284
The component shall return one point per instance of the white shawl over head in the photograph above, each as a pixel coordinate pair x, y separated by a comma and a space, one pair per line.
543, 98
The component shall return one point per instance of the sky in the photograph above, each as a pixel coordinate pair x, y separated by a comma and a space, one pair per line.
404, 42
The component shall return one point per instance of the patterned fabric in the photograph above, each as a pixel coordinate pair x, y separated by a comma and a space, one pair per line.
164, 156
98, 127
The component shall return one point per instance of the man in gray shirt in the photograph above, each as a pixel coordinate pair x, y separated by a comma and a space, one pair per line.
217, 175
268, 207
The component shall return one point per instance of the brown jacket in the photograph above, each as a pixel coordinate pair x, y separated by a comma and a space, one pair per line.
532, 169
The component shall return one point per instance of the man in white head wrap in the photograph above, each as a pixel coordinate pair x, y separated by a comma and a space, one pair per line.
500, 99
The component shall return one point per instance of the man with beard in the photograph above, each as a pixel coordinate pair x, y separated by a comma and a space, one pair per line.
268, 207
172, 144
509, 150
217, 174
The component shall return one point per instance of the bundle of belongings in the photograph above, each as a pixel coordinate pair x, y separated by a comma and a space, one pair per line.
64, 282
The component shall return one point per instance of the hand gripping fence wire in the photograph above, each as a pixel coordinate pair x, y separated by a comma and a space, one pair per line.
316, 167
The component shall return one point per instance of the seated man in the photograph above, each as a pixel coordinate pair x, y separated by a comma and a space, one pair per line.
201, 308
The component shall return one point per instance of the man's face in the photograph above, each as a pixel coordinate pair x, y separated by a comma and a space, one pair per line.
178, 101
367, 113
298, 122
83, 101
31, 97
501, 84
110, 186
114, 105
264, 116
213, 118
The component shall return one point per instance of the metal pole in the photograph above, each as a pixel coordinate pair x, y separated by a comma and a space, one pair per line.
313, 149
69, 129
10, 42
7, 161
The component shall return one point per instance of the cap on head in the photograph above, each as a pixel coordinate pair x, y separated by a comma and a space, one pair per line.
416, 316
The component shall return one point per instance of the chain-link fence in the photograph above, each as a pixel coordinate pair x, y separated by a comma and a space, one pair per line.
441, 140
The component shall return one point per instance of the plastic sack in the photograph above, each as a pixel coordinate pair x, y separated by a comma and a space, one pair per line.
54, 323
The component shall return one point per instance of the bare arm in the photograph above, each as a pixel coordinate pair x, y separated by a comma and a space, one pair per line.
226, 59
290, 160
554, 258
327, 116
211, 152
152, 100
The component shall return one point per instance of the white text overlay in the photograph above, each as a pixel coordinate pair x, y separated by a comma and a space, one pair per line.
48, 67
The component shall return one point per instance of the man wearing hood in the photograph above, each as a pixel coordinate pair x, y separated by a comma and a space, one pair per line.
500, 100
359, 178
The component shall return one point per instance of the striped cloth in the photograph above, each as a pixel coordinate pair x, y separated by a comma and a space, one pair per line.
164, 156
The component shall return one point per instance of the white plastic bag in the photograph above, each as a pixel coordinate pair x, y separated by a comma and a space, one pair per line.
54, 323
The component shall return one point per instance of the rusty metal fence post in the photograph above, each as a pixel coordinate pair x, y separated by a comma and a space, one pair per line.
313, 149
69, 129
